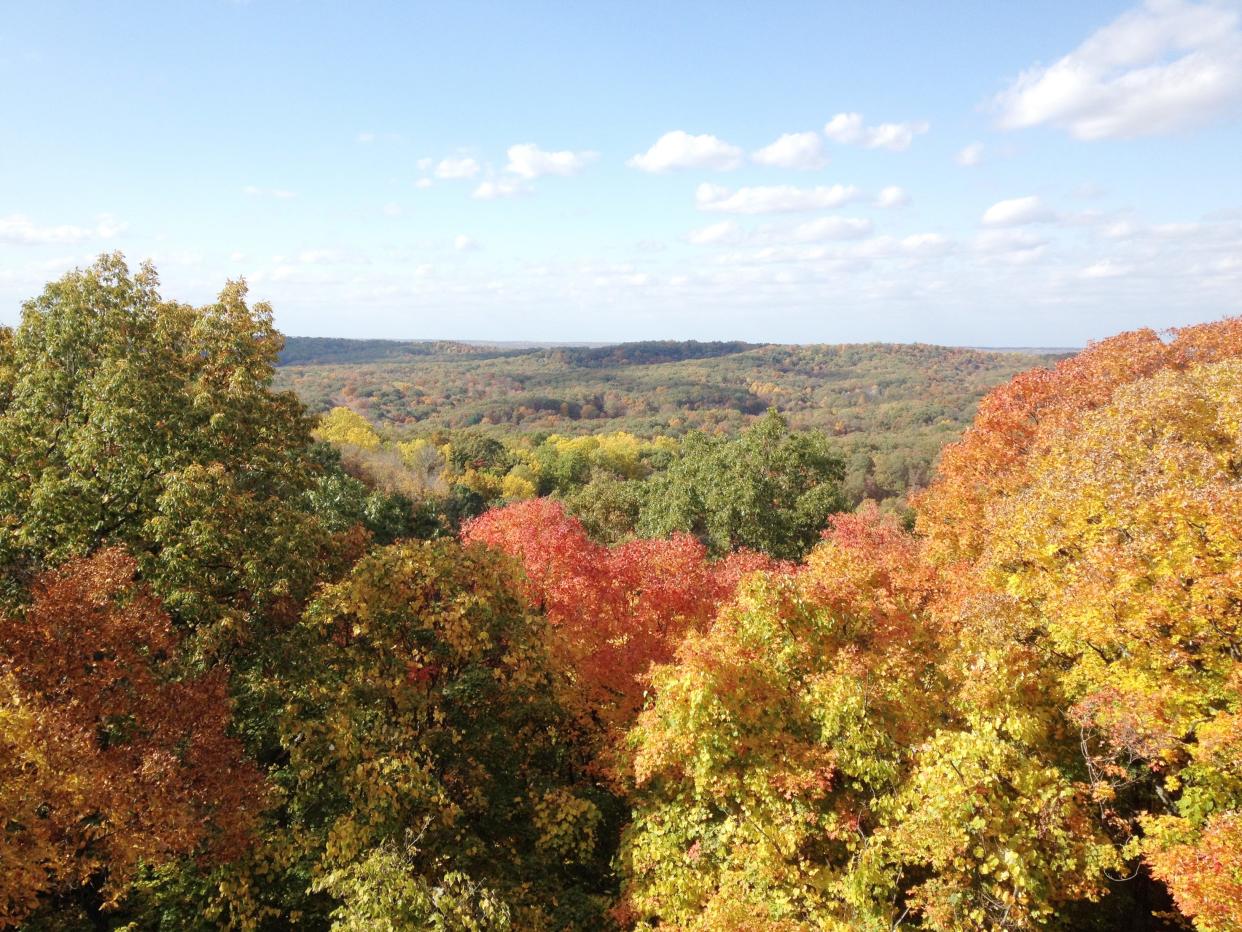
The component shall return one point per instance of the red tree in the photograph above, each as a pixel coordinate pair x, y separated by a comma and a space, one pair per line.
616, 611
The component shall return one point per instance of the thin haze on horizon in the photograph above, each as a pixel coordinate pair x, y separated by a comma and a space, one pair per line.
973, 174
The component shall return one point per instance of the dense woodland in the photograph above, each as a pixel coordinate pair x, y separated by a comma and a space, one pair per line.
375, 661
889, 408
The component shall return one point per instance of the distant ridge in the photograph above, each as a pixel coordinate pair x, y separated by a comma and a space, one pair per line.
301, 351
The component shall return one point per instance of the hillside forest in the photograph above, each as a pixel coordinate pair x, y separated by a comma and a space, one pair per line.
667, 636
593, 426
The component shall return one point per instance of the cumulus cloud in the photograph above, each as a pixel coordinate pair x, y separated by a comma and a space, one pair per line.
464, 243
849, 129
20, 229
457, 168
1017, 211
1165, 66
804, 151
726, 231
892, 196
914, 246
832, 228
971, 155
423, 183
679, 149
527, 160
497, 188
1105, 268
1014, 246
766, 199
926, 244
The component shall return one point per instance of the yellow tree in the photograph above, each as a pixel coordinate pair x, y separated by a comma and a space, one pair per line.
1091, 521
345, 427
764, 765
1124, 551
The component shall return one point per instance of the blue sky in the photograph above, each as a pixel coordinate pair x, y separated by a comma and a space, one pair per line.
964, 173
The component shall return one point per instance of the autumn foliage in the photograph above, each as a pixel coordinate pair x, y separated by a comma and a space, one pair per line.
243, 686
615, 611
114, 753
1048, 737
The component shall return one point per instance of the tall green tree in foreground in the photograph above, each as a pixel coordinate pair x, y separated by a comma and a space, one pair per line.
141, 430
127, 419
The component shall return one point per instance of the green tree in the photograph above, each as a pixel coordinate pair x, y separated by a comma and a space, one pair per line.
129, 419
768, 489
428, 750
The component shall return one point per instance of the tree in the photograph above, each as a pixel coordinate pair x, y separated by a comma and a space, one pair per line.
768, 490
1124, 552
1091, 519
115, 752
615, 611
991, 460
427, 749
344, 426
763, 765
137, 421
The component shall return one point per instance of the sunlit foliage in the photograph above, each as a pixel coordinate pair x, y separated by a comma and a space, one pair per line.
114, 753
614, 611
251, 679
427, 749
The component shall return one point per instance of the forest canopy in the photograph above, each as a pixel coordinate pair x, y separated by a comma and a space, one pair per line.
347, 662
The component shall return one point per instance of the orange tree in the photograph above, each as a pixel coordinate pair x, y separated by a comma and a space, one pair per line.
1026, 716
113, 753
1092, 517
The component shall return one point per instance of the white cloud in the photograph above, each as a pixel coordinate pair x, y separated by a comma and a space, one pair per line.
679, 149
971, 155
917, 245
1165, 66
1121, 229
18, 228
1013, 246
527, 160
1016, 212
392, 209
849, 129
726, 231
464, 243
424, 165
423, 183
497, 188
771, 198
892, 196
926, 244
803, 151
457, 168
826, 228
1105, 268
366, 138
